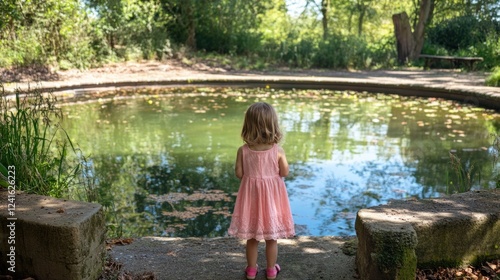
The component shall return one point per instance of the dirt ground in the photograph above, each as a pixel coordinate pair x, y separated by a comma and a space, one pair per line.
174, 69
224, 258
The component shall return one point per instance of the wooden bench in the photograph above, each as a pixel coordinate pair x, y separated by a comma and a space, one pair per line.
455, 61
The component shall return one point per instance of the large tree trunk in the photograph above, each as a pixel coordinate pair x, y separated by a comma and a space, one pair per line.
404, 37
410, 44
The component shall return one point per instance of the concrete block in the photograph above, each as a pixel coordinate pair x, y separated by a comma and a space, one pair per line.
54, 238
458, 230
386, 249
449, 231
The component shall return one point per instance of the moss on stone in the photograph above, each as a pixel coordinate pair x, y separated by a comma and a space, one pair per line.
395, 252
410, 264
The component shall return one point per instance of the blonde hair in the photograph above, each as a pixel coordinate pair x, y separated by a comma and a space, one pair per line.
261, 125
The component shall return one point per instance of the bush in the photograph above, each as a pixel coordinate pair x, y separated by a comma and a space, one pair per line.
489, 51
332, 53
298, 52
26, 49
382, 54
494, 79
353, 52
461, 32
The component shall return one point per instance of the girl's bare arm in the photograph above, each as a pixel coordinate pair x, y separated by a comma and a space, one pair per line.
238, 167
282, 162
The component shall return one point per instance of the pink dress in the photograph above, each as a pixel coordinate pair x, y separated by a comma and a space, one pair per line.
262, 209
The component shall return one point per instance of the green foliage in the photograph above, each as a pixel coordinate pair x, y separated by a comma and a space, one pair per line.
461, 32
434, 49
299, 52
123, 27
44, 32
30, 144
382, 53
26, 50
489, 51
4, 174
466, 36
75, 34
223, 26
344, 52
334, 52
494, 79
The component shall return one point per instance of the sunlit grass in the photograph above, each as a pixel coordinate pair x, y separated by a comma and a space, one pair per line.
494, 79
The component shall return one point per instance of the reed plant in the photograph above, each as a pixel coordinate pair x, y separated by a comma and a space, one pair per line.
464, 175
33, 143
465, 172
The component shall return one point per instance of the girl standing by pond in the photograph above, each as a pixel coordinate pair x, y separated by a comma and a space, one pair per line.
262, 209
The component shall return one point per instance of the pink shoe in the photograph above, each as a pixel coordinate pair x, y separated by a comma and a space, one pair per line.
272, 272
251, 272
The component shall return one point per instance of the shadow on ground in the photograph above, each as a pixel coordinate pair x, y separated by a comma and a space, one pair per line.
28, 74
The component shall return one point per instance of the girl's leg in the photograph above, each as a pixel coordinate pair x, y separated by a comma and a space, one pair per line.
271, 252
252, 251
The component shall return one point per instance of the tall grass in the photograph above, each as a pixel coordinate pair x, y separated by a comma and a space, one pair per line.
31, 140
464, 175
464, 171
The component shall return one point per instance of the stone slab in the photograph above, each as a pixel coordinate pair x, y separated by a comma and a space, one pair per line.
450, 231
51, 238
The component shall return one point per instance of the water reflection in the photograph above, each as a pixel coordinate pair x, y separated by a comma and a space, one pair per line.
164, 161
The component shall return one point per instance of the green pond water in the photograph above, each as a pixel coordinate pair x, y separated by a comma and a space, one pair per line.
163, 159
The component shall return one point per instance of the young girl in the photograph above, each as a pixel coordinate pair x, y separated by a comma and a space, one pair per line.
262, 209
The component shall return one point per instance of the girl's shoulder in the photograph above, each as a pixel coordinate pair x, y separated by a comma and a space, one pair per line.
280, 149
241, 148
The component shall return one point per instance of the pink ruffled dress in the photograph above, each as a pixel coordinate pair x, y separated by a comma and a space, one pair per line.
262, 209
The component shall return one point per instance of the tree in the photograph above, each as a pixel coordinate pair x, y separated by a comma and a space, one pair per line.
363, 9
409, 44
324, 11
183, 26
10, 13
191, 24
43, 32
218, 25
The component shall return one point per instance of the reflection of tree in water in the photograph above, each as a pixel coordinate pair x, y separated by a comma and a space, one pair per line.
429, 142
188, 199
116, 176
181, 198
411, 138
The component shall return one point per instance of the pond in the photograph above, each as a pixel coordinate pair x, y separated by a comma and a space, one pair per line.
163, 159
